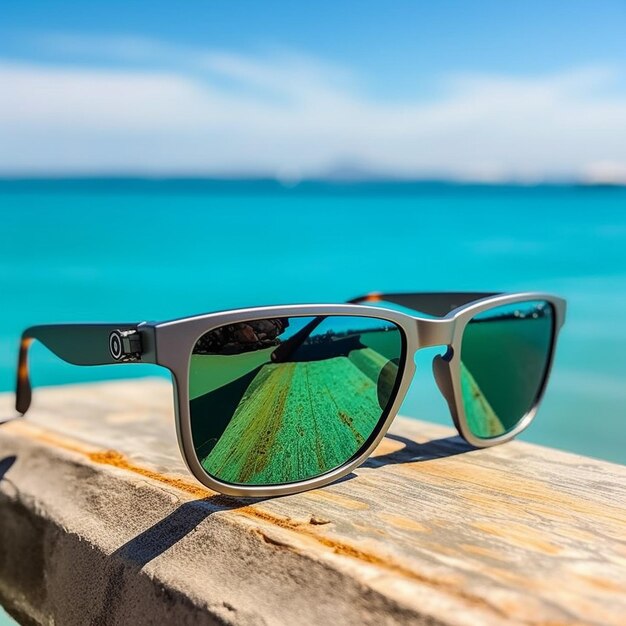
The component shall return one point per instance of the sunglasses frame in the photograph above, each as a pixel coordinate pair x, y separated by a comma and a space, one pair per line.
170, 344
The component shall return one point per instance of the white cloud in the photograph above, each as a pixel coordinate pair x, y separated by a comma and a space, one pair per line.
605, 171
170, 110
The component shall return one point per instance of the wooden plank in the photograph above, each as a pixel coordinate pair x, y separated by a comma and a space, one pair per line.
101, 523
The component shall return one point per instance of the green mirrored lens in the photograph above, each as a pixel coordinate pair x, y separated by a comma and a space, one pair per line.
504, 358
282, 400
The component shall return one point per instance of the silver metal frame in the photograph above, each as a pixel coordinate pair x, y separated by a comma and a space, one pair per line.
171, 345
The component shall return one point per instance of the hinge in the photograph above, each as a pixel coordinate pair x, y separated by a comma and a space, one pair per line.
125, 345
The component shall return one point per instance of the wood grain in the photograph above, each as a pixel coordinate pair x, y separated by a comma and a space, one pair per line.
102, 523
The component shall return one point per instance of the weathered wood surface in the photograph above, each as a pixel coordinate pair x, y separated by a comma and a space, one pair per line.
101, 523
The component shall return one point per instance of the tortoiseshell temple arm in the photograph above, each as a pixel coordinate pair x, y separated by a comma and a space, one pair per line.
437, 304
82, 344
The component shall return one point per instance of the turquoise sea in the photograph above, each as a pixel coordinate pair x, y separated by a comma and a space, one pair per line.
99, 250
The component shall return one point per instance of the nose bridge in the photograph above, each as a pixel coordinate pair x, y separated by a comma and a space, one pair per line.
434, 332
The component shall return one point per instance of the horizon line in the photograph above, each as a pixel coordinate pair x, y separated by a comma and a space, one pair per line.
294, 183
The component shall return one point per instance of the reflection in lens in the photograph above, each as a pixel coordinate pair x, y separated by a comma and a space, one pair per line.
504, 357
280, 400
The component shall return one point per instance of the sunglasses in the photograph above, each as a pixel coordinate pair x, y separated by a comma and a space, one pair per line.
278, 400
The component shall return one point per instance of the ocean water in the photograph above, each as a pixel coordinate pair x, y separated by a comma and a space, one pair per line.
107, 250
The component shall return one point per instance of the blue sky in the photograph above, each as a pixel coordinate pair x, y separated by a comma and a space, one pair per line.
481, 90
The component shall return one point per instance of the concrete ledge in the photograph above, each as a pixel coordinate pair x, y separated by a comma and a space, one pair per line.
102, 524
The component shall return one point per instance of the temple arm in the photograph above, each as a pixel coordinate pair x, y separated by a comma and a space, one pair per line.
432, 303
80, 344
437, 304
